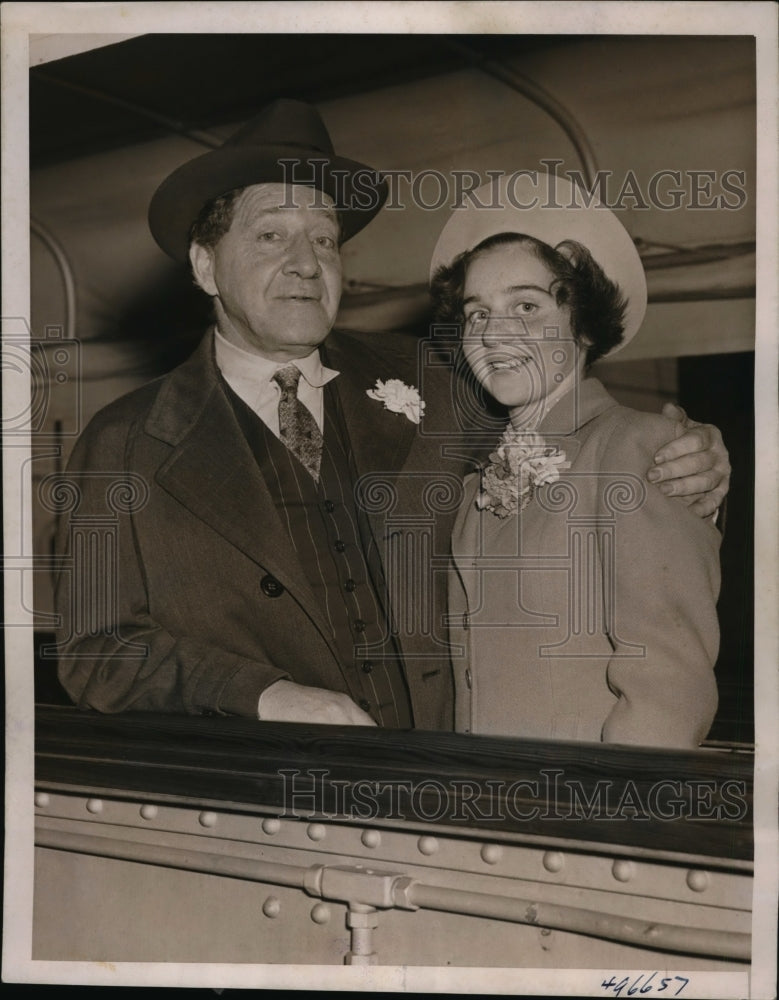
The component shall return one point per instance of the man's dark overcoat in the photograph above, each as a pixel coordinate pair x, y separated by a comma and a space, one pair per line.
180, 589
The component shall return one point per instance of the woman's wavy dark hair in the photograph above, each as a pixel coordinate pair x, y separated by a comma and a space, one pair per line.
596, 304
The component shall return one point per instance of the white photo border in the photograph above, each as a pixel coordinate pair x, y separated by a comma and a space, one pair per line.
64, 23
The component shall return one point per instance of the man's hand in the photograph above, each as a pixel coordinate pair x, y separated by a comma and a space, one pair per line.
286, 701
695, 466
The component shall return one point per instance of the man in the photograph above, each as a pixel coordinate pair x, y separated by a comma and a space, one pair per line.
250, 566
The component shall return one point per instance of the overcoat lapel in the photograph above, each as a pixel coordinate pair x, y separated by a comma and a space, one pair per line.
561, 425
380, 439
214, 474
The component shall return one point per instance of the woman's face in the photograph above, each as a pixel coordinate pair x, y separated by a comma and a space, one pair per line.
516, 338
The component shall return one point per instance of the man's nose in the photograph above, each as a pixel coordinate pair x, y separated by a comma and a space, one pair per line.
301, 258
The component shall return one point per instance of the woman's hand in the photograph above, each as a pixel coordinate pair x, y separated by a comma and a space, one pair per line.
694, 466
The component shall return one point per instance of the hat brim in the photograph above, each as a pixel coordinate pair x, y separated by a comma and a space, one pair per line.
357, 190
550, 209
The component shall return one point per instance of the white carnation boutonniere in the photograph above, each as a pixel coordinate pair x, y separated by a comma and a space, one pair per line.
522, 462
399, 398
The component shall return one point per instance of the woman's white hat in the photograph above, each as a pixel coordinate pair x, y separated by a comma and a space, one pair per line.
551, 209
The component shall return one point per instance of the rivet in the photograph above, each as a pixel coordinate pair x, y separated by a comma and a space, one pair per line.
320, 913
698, 881
623, 871
94, 805
207, 819
271, 907
42, 799
148, 811
427, 845
316, 831
491, 853
371, 838
271, 826
553, 861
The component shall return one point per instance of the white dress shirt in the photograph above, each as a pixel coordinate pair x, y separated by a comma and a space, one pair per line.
251, 378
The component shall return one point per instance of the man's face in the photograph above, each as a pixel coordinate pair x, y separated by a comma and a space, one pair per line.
276, 274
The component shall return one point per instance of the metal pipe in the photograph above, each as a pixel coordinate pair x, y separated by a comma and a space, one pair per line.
541, 98
410, 895
573, 919
172, 857
362, 921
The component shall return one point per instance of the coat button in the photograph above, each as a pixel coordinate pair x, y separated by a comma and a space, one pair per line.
367, 666
271, 587
364, 704
329, 506
350, 585
468, 679
359, 625
339, 545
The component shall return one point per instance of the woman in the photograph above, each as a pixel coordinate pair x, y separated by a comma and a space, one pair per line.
581, 598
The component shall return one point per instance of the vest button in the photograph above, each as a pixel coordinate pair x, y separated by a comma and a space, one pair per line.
340, 546
329, 506
359, 625
367, 666
271, 587
350, 585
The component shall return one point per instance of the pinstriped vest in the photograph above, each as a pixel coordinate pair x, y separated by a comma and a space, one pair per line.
335, 546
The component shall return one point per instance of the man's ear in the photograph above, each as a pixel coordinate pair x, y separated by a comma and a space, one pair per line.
202, 261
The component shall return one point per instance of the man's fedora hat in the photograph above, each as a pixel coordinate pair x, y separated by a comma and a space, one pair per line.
551, 209
286, 143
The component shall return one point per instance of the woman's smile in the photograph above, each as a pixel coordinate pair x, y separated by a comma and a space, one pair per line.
513, 364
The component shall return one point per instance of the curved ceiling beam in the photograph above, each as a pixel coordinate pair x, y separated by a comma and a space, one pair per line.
66, 271
196, 135
541, 98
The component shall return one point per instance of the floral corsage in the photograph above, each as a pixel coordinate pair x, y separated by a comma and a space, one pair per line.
522, 462
399, 398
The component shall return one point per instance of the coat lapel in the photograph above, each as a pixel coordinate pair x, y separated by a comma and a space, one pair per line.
380, 439
213, 473
561, 425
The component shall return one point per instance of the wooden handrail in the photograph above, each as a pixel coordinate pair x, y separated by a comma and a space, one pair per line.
684, 802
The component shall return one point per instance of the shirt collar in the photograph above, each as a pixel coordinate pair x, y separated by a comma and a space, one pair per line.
238, 365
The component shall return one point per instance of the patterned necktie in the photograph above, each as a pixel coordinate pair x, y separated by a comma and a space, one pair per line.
297, 427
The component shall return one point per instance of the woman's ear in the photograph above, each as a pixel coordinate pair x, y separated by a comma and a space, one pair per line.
202, 261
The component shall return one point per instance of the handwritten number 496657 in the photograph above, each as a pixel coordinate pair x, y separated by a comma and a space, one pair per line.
635, 986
